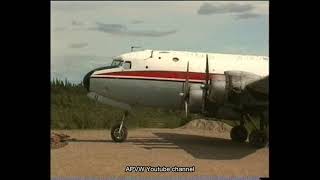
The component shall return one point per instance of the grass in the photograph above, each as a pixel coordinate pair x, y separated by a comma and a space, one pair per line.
72, 109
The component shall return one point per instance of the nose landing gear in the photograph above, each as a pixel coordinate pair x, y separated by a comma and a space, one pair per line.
119, 132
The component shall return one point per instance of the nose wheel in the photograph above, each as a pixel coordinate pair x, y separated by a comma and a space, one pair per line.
119, 132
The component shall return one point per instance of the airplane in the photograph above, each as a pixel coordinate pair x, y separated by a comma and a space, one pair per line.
224, 86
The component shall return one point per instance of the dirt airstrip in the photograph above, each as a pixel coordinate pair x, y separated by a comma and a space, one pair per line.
206, 147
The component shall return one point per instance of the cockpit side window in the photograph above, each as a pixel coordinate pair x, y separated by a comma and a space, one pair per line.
116, 63
127, 65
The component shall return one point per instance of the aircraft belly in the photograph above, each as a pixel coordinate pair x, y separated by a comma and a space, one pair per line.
163, 94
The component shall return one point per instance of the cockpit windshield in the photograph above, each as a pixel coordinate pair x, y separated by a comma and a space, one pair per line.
116, 63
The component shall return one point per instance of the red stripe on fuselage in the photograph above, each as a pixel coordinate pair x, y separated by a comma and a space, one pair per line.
162, 74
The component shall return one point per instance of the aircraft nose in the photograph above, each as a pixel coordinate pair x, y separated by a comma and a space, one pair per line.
86, 80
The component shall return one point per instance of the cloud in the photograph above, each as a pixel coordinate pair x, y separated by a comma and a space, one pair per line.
59, 29
110, 28
74, 66
75, 6
136, 22
152, 33
119, 29
77, 23
78, 45
207, 9
247, 15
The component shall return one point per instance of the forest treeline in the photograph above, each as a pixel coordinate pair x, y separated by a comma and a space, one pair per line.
72, 109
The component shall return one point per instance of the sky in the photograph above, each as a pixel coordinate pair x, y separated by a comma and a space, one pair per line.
87, 34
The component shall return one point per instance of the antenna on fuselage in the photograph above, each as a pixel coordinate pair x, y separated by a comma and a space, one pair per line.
132, 47
151, 54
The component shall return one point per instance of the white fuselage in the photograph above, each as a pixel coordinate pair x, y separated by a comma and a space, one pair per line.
158, 80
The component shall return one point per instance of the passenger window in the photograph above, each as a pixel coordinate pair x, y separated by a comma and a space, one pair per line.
127, 65
175, 59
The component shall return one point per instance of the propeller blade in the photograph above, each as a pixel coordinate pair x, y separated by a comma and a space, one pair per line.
187, 80
186, 108
206, 87
185, 91
181, 94
188, 67
207, 70
185, 85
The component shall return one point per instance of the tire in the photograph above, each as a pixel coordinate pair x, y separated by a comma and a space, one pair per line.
239, 134
258, 138
116, 137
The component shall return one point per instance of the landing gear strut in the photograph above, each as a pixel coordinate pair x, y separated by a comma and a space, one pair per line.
239, 133
119, 132
258, 136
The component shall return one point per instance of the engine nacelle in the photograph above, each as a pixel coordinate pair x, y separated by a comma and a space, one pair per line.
236, 82
228, 87
195, 98
217, 90
224, 89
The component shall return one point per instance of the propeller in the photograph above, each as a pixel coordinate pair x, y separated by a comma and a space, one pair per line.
186, 108
185, 92
206, 86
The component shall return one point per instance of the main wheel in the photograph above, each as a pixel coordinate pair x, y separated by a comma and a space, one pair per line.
119, 136
239, 134
258, 138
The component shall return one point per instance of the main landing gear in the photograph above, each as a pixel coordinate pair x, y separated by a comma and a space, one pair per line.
239, 133
119, 132
258, 136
